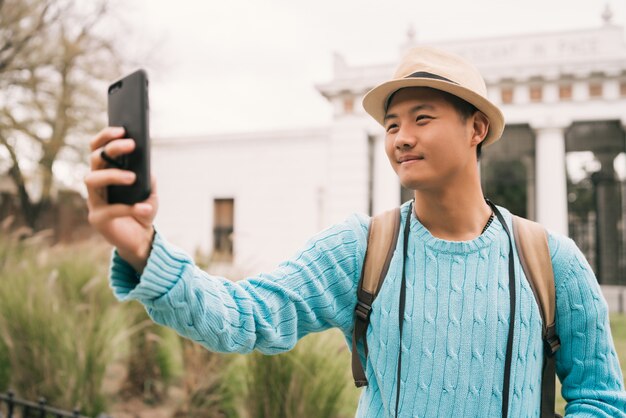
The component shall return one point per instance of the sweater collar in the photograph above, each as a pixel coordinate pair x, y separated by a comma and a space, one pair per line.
494, 232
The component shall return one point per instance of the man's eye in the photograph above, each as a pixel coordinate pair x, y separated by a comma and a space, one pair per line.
392, 126
422, 118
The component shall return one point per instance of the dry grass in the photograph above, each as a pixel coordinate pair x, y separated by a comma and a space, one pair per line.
59, 324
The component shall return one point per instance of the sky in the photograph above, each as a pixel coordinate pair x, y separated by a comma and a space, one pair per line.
245, 66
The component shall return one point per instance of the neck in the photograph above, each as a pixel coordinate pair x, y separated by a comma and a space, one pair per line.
453, 214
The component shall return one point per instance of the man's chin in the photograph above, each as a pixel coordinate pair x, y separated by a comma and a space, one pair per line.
413, 183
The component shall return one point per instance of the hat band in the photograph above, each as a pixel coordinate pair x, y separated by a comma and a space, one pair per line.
419, 74
425, 74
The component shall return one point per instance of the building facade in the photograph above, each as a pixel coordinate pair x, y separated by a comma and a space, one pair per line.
253, 199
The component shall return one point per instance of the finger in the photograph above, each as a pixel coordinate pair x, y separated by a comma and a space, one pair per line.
107, 213
105, 136
144, 213
96, 198
147, 210
152, 199
114, 149
102, 178
97, 181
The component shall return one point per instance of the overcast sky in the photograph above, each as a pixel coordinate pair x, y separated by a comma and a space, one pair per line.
240, 66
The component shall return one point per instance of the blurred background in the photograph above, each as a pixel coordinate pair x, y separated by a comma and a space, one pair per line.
259, 139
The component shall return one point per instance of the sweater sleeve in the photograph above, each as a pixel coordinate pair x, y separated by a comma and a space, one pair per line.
587, 363
313, 291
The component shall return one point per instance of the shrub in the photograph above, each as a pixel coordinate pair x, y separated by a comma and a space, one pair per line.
205, 393
5, 367
312, 380
154, 358
59, 322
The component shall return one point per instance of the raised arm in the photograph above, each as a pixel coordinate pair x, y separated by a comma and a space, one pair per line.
313, 291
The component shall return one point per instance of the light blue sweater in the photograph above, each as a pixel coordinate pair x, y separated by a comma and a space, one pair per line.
456, 319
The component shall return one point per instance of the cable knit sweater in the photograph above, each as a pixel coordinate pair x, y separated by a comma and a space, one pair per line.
456, 319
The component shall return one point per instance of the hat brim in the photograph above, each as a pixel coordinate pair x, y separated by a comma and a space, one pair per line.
375, 100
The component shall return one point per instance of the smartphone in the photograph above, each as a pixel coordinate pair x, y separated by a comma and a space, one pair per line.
128, 107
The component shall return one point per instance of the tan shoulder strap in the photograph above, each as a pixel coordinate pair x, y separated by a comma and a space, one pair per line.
534, 254
381, 243
531, 241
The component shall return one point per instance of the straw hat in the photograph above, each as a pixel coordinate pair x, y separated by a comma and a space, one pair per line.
430, 67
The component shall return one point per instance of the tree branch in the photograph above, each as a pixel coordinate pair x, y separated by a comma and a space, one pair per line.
52, 84
29, 209
20, 126
21, 44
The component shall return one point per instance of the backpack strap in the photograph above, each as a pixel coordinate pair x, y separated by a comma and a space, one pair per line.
381, 243
534, 254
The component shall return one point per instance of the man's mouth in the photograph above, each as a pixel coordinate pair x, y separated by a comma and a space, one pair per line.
408, 158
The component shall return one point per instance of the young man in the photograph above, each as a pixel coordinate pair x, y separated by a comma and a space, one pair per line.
456, 272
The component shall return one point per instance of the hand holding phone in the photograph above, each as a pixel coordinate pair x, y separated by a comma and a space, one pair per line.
128, 107
129, 228
121, 194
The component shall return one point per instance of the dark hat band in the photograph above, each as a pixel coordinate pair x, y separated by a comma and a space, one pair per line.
425, 74
419, 74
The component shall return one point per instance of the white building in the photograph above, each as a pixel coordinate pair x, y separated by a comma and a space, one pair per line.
560, 93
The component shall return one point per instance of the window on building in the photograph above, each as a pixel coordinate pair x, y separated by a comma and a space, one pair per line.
595, 89
223, 227
565, 92
506, 95
348, 105
536, 93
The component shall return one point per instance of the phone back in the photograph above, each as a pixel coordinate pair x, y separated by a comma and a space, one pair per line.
128, 107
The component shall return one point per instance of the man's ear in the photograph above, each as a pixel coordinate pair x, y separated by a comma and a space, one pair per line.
480, 127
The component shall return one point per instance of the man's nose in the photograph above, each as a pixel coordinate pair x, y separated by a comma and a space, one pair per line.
405, 138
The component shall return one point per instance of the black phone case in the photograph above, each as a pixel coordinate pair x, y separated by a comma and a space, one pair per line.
128, 107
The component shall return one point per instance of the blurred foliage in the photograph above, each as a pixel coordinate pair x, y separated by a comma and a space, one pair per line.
618, 331
205, 383
581, 197
312, 380
154, 358
504, 183
59, 324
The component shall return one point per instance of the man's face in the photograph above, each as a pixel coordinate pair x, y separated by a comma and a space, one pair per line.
428, 143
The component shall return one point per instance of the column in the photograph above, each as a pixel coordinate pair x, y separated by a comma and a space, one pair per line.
551, 179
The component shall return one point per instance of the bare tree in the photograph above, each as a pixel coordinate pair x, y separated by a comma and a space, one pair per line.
55, 60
